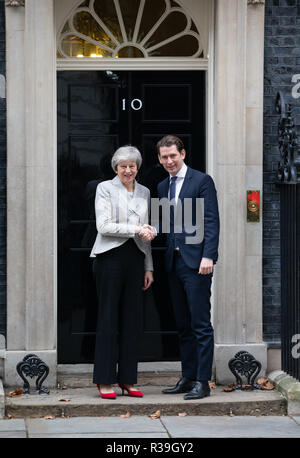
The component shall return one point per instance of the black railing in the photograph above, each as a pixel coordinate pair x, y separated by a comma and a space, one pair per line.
289, 184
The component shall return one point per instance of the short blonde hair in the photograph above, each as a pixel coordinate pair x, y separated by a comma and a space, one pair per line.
126, 153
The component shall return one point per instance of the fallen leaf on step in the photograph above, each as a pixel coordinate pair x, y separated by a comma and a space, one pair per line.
262, 380
182, 414
15, 393
155, 415
64, 400
268, 386
49, 417
265, 383
247, 387
228, 389
212, 385
127, 415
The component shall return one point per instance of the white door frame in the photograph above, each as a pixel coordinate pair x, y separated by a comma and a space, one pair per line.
164, 64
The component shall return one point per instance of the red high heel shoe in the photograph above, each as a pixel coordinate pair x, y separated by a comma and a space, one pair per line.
133, 393
106, 395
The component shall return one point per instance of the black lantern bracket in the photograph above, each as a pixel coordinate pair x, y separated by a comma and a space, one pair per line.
32, 366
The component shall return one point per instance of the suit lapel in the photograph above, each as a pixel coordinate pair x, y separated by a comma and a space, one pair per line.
127, 205
138, 204
186, 183
165, 187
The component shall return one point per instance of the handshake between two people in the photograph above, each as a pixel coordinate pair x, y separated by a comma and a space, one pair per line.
147, 232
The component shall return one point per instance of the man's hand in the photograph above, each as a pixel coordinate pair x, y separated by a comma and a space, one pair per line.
147, 233
148, 279
206, 266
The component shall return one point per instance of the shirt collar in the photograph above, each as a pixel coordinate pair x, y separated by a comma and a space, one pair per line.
181, 173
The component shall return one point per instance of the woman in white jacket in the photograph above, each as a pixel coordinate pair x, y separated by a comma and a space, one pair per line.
123, 271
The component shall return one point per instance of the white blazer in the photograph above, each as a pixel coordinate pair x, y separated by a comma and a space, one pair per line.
117, 215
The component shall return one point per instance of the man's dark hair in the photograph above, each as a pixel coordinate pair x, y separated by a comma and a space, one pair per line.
170, 140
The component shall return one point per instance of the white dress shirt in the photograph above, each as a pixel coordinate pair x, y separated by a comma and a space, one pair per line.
179, 182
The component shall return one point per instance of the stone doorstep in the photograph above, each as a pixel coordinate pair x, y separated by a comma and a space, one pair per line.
144, 378
76, 402
157, 374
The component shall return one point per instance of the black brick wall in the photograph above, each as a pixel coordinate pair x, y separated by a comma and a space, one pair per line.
282, 61
2, 180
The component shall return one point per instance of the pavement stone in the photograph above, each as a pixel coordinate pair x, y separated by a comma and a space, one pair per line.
167, 427
102, 436
297, 419
232, 427
120, 427
14, 428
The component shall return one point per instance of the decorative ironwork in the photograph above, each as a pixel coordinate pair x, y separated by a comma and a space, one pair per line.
15, 3
33, 366
246, 365
289, 165
290, 274
109, 29
289, 185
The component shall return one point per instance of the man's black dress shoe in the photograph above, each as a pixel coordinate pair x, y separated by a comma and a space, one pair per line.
199, 391
183, 386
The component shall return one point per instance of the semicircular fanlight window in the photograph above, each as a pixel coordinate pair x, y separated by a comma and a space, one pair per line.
126, 29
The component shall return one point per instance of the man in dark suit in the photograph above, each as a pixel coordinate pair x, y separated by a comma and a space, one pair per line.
190, 265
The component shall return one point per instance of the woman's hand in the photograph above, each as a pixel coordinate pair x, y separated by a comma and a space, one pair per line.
148, 279
147, 233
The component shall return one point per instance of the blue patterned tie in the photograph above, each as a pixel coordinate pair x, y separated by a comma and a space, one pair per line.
173, 188
172, 196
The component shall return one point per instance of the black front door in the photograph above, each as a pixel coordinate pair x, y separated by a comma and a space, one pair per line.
97, 112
